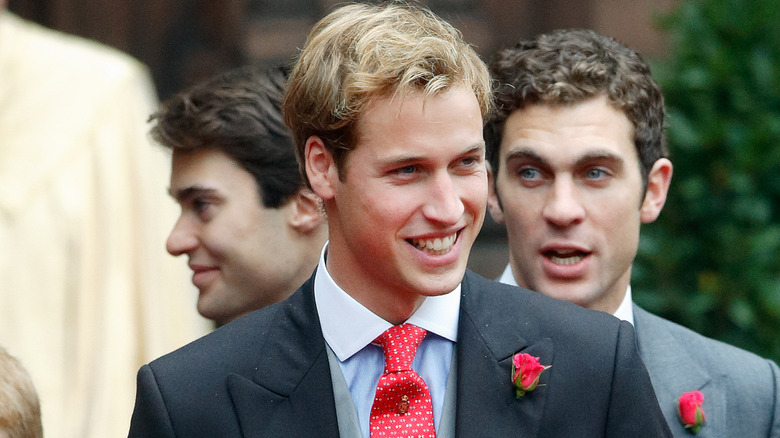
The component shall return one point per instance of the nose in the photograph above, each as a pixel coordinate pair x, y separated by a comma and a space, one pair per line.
563, 207
443, 204
182, 238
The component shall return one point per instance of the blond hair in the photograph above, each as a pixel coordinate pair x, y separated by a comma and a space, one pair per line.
362, 52
20, 410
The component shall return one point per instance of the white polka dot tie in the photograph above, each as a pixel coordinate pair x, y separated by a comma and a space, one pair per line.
402, 406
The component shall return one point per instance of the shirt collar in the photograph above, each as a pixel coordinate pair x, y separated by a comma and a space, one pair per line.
625, 310
507, 277
347, 336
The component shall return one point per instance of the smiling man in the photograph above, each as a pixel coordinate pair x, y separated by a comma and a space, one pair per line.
392, 336
579, 161
250, 227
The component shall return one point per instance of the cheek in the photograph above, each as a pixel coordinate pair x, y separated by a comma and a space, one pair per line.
216, 243
364, 220
472, 191
614, 207
392, 204
478, 190
223, 237
523, 210
620, 225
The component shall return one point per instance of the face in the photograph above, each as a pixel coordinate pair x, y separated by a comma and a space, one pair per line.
412, 201
243, 255
569, 190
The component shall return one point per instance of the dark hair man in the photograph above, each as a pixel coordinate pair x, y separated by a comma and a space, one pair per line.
250, 227
579, 161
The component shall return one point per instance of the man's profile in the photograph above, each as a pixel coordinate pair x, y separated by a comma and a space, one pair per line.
250, 228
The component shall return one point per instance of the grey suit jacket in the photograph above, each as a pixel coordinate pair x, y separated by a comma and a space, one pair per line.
267, 374
741, 390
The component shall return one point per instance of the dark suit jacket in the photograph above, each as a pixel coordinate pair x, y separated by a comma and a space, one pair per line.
741, 390
267, 374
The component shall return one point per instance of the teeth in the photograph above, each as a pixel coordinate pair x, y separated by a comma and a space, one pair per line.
568, 260
436, 246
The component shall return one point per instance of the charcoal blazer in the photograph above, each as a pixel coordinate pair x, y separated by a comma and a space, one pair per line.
741, 390
267, 374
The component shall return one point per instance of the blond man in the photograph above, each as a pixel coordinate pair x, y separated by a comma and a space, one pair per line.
391, 336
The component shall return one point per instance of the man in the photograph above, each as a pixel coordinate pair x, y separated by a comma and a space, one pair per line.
251, 229
20, 410
88, 293
579, 161
386, 105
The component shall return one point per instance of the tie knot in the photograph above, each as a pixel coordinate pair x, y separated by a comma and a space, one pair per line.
399, 344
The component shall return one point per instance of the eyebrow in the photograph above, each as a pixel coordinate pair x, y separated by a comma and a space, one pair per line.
187, 193
528, 154
525, 154
476, 147
599, 155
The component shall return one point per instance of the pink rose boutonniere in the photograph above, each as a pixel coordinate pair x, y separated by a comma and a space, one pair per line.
526, 370
691, 414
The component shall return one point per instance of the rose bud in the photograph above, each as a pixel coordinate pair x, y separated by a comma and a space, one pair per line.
691, 413
526, 370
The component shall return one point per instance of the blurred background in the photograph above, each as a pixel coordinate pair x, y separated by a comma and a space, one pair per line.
711, 262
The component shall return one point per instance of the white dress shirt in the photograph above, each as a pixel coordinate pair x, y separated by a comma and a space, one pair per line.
625, 311
350, 328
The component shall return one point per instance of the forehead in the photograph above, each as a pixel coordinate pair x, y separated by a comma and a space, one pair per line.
447, 120
204, 159
209, 167
569, 132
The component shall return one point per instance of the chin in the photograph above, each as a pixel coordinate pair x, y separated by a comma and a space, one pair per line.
440, 284
577, 297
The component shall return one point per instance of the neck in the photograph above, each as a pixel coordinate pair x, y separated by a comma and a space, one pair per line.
393, 305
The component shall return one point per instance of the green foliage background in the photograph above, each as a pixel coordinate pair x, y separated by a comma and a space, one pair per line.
712, 260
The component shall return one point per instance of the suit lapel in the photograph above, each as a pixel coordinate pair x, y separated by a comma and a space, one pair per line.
487, 341
673, 371
293, 366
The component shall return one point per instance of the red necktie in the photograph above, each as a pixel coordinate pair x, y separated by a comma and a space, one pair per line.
402, 406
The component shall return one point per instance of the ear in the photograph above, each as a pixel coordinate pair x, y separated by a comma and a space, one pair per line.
658, 181
305, 211
320, 168
493, 203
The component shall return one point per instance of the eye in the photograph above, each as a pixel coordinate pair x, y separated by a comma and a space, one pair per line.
199, 205
530, 173
405, 171
468, 164
596, 173
469, 161
203, 208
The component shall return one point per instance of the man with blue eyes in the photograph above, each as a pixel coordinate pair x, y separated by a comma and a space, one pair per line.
392, 336
578, 161
251, 229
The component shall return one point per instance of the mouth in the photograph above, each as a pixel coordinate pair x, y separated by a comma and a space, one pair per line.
196, 269
437, 246
202, 278
565, 257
